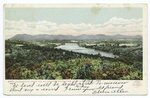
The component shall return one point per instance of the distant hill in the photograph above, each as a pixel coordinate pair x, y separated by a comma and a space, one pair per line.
27, 37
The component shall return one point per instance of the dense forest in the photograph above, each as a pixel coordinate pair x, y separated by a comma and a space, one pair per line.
121, 47
39, 59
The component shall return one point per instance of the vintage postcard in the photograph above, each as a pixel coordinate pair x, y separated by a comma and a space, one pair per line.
75, 49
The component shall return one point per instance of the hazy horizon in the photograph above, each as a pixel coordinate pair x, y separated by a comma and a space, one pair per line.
73, 21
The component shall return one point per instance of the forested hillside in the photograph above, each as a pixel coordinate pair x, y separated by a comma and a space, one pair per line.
40, 60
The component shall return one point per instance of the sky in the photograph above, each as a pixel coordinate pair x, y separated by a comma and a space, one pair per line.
73, 21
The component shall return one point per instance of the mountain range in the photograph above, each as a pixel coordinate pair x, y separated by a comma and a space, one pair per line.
27, 37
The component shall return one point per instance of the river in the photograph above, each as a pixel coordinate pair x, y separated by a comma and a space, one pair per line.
75, 48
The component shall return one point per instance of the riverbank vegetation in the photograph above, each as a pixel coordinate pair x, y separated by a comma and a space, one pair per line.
40, 60
122, 47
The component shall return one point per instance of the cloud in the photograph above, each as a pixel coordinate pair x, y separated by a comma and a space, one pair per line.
79, 27
15, 24
113, 26
49, 23
42, 28
121, 21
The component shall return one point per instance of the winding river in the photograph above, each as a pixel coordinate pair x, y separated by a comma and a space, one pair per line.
75, 48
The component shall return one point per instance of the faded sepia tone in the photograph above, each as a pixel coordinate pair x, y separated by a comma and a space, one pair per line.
76, 42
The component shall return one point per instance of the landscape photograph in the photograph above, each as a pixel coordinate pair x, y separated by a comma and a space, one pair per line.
57, 43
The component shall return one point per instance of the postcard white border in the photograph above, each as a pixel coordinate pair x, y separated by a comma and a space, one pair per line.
145, 45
